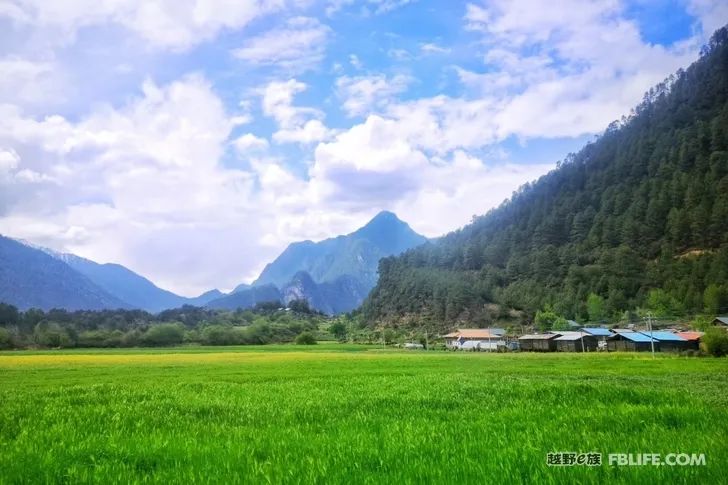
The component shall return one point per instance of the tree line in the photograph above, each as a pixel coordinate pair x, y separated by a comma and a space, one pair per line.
266, 323
636, 220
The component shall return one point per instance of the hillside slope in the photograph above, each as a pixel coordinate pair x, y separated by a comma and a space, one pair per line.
638, 217
30, 278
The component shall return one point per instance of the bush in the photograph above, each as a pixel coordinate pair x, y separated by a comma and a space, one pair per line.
305, 338
51, 334
715, 342
6, 340
164, 334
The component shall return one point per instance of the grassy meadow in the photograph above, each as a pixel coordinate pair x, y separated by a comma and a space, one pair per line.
354, 414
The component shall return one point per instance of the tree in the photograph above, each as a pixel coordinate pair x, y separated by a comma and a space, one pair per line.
545, 319
714, 298
8, 315
305, 338
6, 340
338, 330
595, 307
715, 342
165, 334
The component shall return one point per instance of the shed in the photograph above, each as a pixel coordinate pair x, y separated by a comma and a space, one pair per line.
669, 341
576, 342
629, 340
598, 332
462, 335
693, 339
721, 322
542, 342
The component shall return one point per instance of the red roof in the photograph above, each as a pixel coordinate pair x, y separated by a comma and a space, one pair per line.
691, 335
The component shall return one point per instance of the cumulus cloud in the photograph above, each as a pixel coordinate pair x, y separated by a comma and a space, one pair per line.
177, 25
299, 45
364, 94
296, 124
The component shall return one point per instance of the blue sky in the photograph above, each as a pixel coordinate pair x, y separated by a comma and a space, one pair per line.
192, 140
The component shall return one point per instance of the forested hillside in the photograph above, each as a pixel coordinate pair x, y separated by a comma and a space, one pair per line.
636, 219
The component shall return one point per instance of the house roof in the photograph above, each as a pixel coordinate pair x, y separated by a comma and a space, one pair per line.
691, 335
539, 336
664, 336
598, 331
723, 320
570, 336
474, 333
635, 336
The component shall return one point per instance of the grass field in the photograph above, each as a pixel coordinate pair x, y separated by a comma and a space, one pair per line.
335, 414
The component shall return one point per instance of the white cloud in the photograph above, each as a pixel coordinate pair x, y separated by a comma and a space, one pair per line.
134, 181
249, 143
712, 14
432, 48
178, 24
297, 124
298, 46
365, 94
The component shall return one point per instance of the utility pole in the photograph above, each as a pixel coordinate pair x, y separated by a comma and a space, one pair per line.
652, 340
427, 342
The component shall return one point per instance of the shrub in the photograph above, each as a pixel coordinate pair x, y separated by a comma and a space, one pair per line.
6, 340
715, 342
164, 334
305, 338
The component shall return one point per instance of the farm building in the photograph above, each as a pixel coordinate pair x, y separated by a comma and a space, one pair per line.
576, 342
721, 322
629, 340
462, 335
693, 339
669, 341
598, 332
543, 342
482, 345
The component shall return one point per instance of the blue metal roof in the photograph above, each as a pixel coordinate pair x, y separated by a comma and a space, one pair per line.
599, 332
664, 335
636, 336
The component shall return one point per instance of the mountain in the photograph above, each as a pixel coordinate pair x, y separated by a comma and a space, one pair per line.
336, 274
246, 298
339, 296
123, 285
636, 219
30, 278
131, 287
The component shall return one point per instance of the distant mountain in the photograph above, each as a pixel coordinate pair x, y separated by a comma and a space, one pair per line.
131, 287
341, 295
120, 283
336, 274
31, 278
246, 298
356, 254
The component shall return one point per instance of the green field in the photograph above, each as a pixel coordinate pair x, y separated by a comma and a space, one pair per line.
353, 414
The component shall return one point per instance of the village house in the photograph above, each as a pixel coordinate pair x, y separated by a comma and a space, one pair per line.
721, 322
542, 342
669, 341
631, 341
460, 336
693, 339
576, 342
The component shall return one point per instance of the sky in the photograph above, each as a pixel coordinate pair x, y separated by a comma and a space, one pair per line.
193, 140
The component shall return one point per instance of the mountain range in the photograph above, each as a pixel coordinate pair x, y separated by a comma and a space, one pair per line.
334, 275
636, 220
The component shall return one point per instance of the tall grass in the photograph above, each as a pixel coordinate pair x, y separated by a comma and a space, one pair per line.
336, 416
